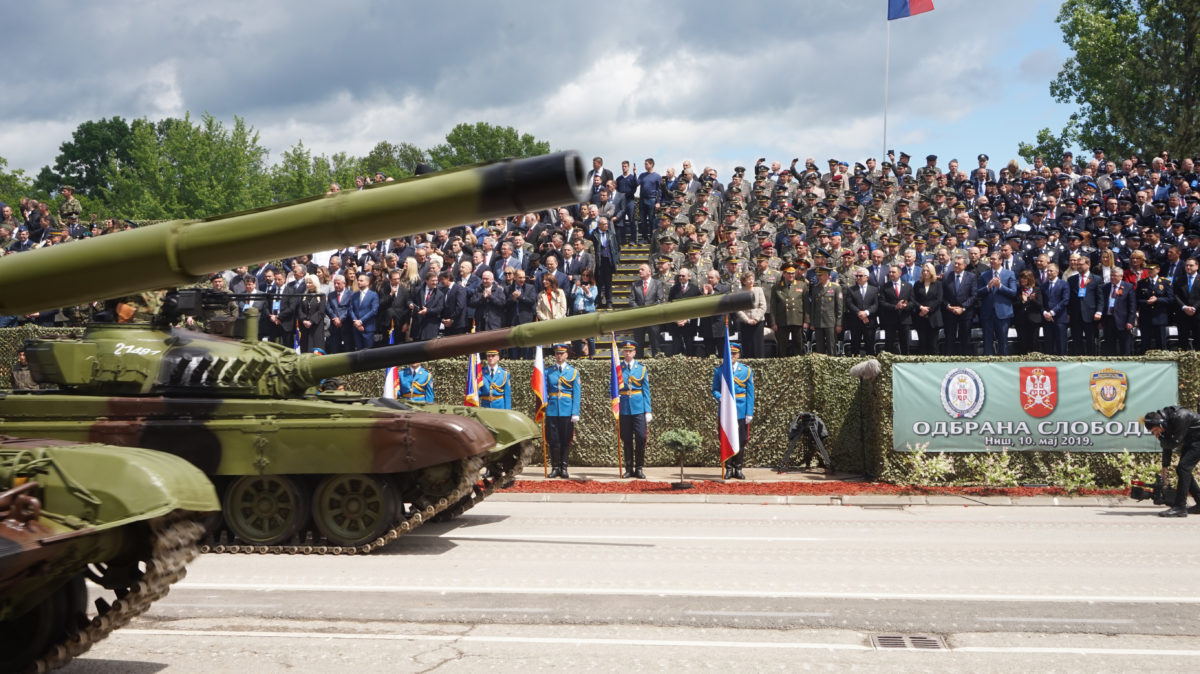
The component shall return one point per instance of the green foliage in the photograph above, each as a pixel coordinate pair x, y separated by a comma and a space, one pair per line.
1048, 146
13, 185
1133, 73
681, 440
83, 160
394, 160
1070, 474
918, 467
993, 470
299, 175
1132, 467
479, 142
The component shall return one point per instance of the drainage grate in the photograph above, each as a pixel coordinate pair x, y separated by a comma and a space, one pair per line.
908, 642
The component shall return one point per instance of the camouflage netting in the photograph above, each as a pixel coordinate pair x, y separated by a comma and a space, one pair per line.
858, 415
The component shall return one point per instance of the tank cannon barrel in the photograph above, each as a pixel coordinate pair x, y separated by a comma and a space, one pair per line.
177, 252
316, 368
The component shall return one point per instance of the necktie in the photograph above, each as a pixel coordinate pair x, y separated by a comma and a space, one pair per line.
645, 288
1191, 280
958, 279
897, 284
426, 296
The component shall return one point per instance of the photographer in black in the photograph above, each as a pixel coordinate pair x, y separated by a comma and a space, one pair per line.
1178, 427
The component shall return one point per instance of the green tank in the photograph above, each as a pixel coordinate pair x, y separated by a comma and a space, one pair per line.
300, 470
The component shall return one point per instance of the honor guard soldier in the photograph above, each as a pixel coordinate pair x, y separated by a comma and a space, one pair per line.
495, 393
634, 410
743, 395
562, 409
416, 384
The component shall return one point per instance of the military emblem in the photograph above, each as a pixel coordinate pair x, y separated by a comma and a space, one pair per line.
962, 393
1039, 390
1108, 391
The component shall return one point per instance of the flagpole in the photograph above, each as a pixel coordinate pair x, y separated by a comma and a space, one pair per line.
887, 70
545, 459
617, 418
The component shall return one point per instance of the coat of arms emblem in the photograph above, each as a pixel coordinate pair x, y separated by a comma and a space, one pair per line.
1039, 390
1108, 391
962, 393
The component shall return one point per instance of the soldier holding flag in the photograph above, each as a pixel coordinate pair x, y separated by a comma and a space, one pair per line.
634, 410
563, 391
733, 389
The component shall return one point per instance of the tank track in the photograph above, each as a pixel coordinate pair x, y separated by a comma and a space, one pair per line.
173, 544
500, 473
424, 510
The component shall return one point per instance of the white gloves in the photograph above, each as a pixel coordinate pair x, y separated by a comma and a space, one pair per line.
749, 419
649, 417
574, 418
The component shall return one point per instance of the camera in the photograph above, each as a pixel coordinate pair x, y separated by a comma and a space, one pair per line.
1157, 492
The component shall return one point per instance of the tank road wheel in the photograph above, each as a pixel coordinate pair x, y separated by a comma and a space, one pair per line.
26, 638
265, 509
352, 510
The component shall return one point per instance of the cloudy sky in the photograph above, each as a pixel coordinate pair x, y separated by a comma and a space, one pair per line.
715, 82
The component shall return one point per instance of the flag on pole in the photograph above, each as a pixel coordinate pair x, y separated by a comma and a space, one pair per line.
391, 378
296, 339
728, 408
474, 381
614, 386
902, 9
539, 384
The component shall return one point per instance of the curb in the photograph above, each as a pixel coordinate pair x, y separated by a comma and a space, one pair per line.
858, 500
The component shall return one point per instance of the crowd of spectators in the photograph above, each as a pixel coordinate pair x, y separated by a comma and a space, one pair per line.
1088, 257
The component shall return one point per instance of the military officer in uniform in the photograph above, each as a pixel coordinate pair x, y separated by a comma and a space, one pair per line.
634, 410
416, 384
825, 309
496, 390
70, 206
743, 395
789, 312
562, 409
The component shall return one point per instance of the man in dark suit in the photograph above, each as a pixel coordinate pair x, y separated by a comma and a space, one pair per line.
337, 307
895, 314
599, 170
608, 256
488, 300
520, 307
683, 333
644, 292
1187, 297
997, 290
958, 296
364, 306
394, 314
1083, 305
427, 303
712, 328
1119, 301
862, 311
1055, 317
454, 305
877, 273
574, 262
269, 326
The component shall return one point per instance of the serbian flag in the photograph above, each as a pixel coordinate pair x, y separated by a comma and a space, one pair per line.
474, 381
902, 9
296, 339
539, 384
391, 382
728, 411
614, 386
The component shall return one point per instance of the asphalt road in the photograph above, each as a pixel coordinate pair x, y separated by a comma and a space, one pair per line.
649, 586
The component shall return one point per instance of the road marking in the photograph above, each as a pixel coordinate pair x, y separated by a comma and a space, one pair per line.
617, 537
684, 643
1089, 621
469, 609
757, 614
466, 638
686, 592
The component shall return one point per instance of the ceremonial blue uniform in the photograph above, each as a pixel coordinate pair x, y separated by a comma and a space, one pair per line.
415, 385
743, 396
562, 403
495, 392
635, 405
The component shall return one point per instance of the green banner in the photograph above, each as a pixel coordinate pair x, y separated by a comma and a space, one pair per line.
988, 407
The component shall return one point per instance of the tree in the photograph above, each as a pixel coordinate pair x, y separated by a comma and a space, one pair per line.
13, 185
298, 175
1135, 75
474, 143
397, 161
82, 160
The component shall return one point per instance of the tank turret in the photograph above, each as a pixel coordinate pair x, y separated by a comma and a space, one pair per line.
142, 360
178, 252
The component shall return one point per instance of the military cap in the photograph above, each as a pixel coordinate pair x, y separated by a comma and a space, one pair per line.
790, 218
902, 202
628, 345
905, 219
852, 225
762, 168
1005, 217
1040, 234
702, 210
931, 157
561, 348
985, 207
665, 258
1151, 265
739, 170
690, 248
664, 216
492, 352
1104, 235
789, 267
67, 188
804, 263
1133, 235
982, 157
1097, 150
822, 269
767, 245
1193, 234
992, 231
734, 347
981, 243
821, 252
935, 232
875, 217
960, 205
1193, 198
1075, 236
762, 256
919, 239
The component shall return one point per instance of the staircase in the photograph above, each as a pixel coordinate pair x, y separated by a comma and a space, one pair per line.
627, 272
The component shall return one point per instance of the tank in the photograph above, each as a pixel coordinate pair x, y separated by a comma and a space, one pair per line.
300, 470
297, 470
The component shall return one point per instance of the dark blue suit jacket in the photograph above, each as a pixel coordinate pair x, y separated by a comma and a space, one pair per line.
364, 310
1124, 309
1087, 306
960, 294
1056, 301
998, 302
